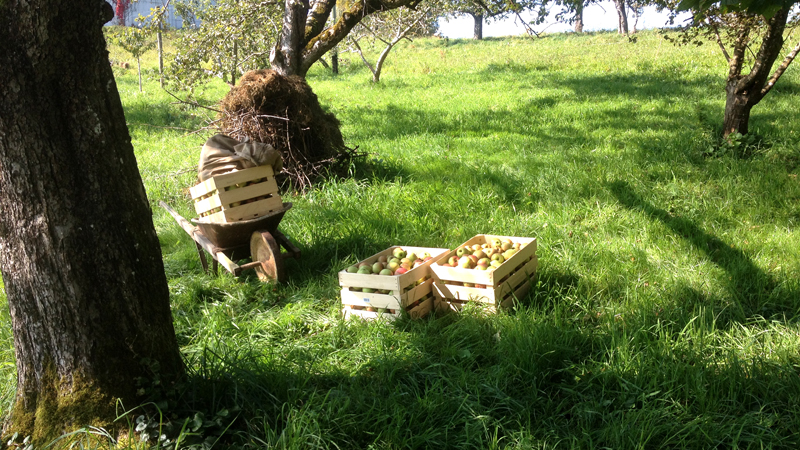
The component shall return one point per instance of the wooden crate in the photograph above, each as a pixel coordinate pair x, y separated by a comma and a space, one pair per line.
411, 292
241, 195
496, 288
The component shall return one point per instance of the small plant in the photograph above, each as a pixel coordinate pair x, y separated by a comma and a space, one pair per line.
736, 145
18, 442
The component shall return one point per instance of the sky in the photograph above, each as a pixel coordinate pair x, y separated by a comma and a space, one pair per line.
597, 16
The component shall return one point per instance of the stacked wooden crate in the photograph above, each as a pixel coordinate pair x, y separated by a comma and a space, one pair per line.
236, 196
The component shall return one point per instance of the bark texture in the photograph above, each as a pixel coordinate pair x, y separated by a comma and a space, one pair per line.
79, 255
622, 23
477, 27
743, 92
579, 17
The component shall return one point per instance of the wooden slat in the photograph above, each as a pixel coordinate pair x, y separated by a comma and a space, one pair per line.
247, 211
224, 199
220, 182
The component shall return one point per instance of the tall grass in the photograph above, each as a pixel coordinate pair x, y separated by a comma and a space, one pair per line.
665, 309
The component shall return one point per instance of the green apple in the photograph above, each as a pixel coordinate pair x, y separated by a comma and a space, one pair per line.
506, 245
461, 251
352, 269
394, 265
509, 253
476, 247
465, 262
386, 272
496, 264
368, 290
365, 271
399, 253
412, 256
496, 242
377, 267
498, 257
484, 261
479, 254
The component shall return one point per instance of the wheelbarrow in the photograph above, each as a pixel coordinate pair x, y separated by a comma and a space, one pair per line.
258, 238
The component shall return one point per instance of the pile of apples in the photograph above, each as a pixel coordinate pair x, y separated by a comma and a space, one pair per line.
488, 256
398, 263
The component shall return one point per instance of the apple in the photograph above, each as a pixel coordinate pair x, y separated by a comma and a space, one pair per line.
426, 256
474, 259
496, 242
412, 256
399, 253
400, 270
490, 251
461, 252
465, 262
498, 257
482, 267
393, 265
386, 272
352, 269
480, 286
484, 261
383, 259
365, 271
479, 254
363, 264
368, 290
496, 264
377, 267
506, 245
453, 261
469, 285
476, 247
509, 253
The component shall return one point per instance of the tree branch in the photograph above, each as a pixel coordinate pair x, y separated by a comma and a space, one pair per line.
781, 69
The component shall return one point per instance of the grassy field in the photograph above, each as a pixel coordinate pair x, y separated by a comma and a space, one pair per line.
665, 311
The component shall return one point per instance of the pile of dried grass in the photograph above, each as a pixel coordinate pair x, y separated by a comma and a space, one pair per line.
283, 112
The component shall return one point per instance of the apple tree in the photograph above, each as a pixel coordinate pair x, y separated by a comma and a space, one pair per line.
79, 255
751, 40
389, 28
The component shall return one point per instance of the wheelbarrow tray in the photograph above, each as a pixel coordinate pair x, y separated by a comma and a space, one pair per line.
234, 234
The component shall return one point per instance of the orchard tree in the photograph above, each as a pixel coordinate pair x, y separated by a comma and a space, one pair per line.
305, 35
572, 12
234, 36
135, 41
81, 262
496, 9
751, 43
389, 28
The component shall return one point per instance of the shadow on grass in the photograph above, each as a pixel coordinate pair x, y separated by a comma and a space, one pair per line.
755, 291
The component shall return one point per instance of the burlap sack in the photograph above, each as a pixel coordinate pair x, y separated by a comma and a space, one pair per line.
223, 154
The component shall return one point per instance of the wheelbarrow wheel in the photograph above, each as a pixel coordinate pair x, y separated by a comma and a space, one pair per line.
264, 249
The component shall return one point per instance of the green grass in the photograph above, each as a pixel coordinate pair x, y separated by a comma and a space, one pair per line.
665, 312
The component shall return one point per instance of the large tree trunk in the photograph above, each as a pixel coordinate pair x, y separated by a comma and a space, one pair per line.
79, 255
477, 27
745, 91
622, 24
579, 17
